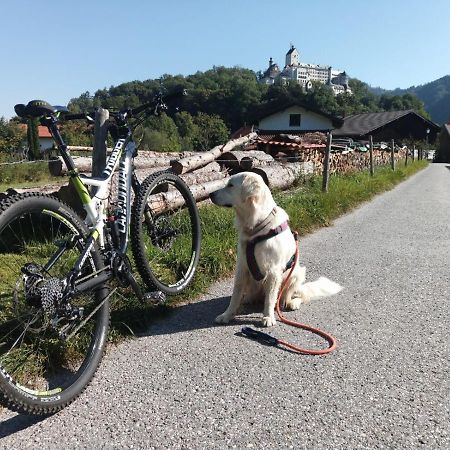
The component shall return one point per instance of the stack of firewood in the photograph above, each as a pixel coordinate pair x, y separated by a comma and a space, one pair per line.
280, 160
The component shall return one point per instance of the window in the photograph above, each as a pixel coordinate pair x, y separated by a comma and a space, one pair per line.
294, 120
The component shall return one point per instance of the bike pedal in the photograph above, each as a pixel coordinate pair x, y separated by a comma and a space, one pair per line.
155, 297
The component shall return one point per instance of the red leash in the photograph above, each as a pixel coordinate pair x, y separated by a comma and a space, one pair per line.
270, 340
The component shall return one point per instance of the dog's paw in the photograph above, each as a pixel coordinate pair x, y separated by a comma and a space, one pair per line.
222, 318
294, 303
268, 321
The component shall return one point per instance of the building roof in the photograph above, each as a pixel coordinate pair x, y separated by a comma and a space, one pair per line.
42, 131
275, 106
290, 50
366, 123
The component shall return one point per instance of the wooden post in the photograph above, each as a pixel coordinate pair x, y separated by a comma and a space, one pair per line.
406, 157
392, 155
100, 135
414, 152
326, 163
371, 154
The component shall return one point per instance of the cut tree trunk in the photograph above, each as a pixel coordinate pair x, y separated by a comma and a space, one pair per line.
199, 160
244, 159
165, 201
282, 176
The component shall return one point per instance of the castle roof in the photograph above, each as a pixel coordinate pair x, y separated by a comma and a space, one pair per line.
291, 50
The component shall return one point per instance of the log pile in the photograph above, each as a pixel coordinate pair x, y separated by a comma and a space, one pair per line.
280, 160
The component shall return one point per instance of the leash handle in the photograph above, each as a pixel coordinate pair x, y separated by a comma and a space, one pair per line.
259, 336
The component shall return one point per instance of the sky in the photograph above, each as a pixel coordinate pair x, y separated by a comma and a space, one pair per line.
57, 50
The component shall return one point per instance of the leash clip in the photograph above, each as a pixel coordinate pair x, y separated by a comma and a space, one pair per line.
259, 336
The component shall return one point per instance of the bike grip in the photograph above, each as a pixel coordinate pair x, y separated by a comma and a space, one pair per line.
259, 336
75, 116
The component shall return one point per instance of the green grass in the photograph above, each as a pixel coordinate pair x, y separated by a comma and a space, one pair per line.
26, 175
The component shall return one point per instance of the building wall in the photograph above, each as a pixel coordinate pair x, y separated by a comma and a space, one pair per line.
309, 120
45, 143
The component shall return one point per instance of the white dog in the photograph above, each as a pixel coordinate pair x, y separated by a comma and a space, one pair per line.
266, 250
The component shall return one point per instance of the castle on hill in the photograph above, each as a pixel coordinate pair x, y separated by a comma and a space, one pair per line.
305, 74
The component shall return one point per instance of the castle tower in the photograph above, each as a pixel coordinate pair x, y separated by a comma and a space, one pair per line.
292, 57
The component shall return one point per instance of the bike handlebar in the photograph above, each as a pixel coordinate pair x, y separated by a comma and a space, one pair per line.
158, 103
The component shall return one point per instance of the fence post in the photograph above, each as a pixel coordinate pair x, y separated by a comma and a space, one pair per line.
414, 152
406, 158
100, 135
392, 155
371, 154
326, 163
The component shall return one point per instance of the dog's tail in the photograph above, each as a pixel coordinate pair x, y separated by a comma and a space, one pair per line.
322, 287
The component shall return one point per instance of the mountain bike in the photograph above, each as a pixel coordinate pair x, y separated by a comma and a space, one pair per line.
58, 270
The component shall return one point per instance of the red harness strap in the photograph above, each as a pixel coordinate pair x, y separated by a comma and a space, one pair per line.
250, 251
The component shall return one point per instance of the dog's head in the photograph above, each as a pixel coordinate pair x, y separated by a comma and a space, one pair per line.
244, 192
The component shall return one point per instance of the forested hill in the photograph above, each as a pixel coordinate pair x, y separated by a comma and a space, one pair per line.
222, 100
434, 95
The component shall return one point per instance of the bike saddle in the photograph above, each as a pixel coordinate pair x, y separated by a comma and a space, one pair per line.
38, 108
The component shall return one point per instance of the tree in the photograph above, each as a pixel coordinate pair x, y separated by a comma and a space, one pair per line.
212, 131
187, 130
161, 134
11, 135
33, 139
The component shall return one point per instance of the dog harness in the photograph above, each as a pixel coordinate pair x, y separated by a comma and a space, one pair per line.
250, 251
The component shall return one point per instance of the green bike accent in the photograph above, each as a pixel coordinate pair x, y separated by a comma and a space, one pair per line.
80, 188
61, 218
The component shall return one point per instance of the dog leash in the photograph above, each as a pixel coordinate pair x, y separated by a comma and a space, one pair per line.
273, 341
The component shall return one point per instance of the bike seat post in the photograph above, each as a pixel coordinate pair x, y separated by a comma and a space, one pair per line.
51, 123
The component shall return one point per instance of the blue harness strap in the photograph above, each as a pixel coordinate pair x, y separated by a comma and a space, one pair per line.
250, 251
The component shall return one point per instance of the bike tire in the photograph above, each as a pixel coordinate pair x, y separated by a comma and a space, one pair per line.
165, 233
32, 226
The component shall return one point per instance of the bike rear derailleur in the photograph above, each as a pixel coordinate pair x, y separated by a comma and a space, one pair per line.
49, 294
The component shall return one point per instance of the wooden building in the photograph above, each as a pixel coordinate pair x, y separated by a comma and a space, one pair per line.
443, 148
384, 126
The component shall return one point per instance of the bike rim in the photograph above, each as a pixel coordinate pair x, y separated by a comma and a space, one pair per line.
34, 359
169, 235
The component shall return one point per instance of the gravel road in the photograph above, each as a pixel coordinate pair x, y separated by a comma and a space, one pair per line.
188, 384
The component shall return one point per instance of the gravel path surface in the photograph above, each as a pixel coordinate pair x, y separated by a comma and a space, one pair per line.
191, 385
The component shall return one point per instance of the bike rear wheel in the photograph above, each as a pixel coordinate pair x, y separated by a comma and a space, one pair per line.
165, 233
49, 348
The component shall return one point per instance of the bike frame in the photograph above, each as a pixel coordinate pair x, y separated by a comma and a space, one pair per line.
122, 156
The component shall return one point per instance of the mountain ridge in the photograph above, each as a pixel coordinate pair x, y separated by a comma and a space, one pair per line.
435, 96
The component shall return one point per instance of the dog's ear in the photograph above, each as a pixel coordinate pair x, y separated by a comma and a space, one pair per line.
253, 191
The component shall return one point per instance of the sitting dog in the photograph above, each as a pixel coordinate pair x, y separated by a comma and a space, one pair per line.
266, 251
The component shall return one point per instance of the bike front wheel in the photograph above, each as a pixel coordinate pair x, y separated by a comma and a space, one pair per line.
50, 346
165, 233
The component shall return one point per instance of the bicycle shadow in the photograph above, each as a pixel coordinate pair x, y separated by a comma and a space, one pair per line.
18, 423
200, 315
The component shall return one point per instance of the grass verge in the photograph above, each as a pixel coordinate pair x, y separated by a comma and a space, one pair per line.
27, 174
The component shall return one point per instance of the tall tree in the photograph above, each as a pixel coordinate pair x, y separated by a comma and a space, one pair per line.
33, 139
